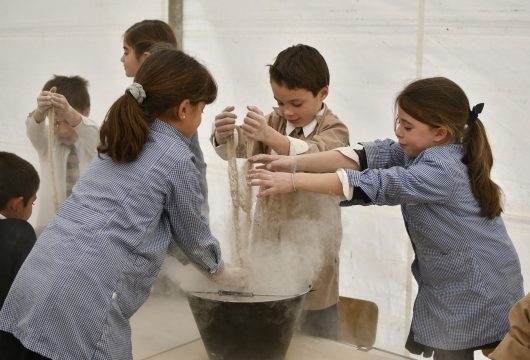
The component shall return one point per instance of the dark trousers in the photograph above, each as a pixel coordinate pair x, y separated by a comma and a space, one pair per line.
439, 354
320, 323
12, 349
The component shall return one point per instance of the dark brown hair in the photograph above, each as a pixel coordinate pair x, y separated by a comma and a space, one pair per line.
300, 67
144, 34
73, 88
439, 101
168, 77
17, 178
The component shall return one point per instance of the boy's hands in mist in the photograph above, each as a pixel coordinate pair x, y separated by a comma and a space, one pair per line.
255, 125
225, 123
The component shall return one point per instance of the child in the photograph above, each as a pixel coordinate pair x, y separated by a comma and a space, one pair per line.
302, 123
467, 269
516, 344
139, 41
93, 267
74, 141
19, 183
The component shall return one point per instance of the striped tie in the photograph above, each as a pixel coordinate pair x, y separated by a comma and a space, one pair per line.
298, 133
72, 170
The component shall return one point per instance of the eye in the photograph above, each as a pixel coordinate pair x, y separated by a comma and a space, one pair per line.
297, 105
279, 103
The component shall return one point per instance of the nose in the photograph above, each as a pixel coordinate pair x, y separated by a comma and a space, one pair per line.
287, 112
398, 131
122, 59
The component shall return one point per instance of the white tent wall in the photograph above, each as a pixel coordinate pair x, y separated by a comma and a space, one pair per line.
371, 49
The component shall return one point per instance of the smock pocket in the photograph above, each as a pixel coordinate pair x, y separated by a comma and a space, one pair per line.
445, 270
115, 341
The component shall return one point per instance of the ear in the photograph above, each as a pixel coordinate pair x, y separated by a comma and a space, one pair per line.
440, 134
184, 109
14, 206
323, 93
143, 57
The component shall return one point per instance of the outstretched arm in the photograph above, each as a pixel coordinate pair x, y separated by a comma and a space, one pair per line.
322, 162
282, 182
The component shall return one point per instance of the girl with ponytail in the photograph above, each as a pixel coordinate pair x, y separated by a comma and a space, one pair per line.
466, 267
94, 265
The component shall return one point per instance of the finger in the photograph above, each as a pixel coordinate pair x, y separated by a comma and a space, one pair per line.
229, 108
254, 116
261, 158
225, 127
53, 89
255, 109
226, 116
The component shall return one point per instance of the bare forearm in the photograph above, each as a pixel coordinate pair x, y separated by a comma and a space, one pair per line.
324, 162
327, 183
278, 142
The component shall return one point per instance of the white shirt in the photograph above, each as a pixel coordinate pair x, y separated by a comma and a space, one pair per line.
86, 144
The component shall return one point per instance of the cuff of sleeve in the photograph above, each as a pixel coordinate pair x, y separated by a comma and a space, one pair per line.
347, 189
222, 149
297, 146
349, 153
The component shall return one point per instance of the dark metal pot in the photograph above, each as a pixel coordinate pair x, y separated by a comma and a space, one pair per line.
243, 326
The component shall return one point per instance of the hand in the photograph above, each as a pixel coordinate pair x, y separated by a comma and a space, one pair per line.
255, 125
225, 123
231, 278
63, 109
273, 182
44, 103
275, 162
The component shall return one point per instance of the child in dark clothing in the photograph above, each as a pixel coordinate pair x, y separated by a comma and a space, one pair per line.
19, 183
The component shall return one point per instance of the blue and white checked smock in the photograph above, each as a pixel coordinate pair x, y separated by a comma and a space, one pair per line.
467, 269
93, 267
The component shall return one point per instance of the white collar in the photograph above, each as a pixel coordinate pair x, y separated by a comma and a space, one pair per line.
309, 128
2, 217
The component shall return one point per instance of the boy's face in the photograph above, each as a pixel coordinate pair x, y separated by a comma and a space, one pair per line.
64, 133
129, 60
298, 106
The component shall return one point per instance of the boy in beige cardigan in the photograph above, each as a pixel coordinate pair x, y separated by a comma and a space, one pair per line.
309, 223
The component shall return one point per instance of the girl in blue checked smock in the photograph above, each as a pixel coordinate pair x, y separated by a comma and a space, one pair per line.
438, 170
92, 268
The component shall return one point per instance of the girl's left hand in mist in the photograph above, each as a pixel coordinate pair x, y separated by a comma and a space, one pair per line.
273, 182
231, 278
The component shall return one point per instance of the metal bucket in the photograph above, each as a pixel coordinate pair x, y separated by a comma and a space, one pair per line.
239, 326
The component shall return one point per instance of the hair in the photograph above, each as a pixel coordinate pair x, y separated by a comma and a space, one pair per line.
300, 67
439, 101
144, 34
17, 178
168, 77
73, 88
162, 45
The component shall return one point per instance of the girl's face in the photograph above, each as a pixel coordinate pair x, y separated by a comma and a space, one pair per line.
193, 120
298, 106
415, 136
129, 60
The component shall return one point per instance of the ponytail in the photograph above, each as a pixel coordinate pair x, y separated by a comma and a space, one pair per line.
124, 130
479, 160
165, 79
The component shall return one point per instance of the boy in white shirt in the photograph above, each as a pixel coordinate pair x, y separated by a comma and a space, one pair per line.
74, 141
